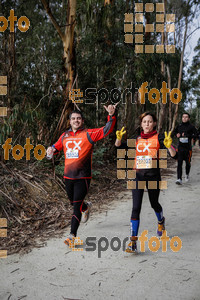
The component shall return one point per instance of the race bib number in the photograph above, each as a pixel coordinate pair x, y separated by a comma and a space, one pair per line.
143, 162
184, 140
70, 153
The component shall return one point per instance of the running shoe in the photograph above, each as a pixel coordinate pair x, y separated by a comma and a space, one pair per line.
132, 246
70, 239
161, 227
86, 213
179, 181
186, 178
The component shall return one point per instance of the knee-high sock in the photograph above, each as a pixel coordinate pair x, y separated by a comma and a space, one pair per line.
134, 227
159, 215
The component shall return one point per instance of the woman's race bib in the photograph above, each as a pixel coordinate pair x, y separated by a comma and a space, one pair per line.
143, 162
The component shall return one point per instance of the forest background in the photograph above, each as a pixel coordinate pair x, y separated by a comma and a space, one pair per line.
74, 44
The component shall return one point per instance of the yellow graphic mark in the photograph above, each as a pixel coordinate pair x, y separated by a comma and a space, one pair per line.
3, 233
163, 23
127, 163
75, 93
76, 241
3, 223
3, 92
151, 185
3, 85
3, 111
3, 253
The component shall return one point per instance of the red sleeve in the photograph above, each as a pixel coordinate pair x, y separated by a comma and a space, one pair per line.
97, 134
58, 145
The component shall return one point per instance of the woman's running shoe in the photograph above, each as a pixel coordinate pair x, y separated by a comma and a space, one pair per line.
132, 246
161, 227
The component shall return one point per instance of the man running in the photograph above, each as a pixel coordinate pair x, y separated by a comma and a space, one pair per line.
77, 144
199, 136
185, 132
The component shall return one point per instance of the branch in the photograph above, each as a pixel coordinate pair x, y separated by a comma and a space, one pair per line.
192, 32
53, 20
13, 201
43, 97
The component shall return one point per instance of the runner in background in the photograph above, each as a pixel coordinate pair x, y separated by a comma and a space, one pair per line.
148, 144
185, 132
77, 144
199, 136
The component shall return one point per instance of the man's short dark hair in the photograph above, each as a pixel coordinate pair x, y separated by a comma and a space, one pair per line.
186, 113
76, 111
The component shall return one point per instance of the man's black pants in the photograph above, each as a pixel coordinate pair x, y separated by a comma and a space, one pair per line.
183, 155
76, 190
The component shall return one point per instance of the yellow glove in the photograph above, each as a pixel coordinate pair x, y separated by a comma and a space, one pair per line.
168, 140
120, 133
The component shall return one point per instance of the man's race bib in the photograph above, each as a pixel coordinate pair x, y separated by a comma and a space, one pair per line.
143, 162
70, 153
183, 140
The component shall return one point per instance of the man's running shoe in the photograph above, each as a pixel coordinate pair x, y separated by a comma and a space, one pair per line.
186, 178
179, 181
132, 246
86, 213
69, 240
161, 227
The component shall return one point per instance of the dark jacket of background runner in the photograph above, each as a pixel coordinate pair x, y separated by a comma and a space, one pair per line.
189, 131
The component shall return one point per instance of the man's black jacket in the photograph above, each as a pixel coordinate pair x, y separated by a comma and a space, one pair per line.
187, 132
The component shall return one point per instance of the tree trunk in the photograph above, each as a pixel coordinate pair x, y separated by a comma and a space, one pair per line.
163, 106
180, 71
170, 104
108, 2
11, 65
68, 45
69, 62
69, 55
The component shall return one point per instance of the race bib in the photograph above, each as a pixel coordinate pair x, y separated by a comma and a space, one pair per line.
70, 153
183, 140
143, 162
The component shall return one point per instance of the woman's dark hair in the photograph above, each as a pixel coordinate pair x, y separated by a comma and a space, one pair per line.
148, 114
141, 117
76, 111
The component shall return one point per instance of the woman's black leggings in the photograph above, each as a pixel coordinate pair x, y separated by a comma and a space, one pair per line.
77, 190
138, 195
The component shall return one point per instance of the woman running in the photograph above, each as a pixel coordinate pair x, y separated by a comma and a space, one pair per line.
147, 169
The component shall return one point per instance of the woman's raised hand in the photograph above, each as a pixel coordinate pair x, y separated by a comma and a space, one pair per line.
168, 140
120, 133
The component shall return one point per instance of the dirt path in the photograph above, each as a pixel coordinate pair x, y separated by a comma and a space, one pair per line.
55, 272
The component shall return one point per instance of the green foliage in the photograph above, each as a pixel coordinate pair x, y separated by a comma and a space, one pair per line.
60, 169
98, 154
96, 174
37, 80
193, 82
